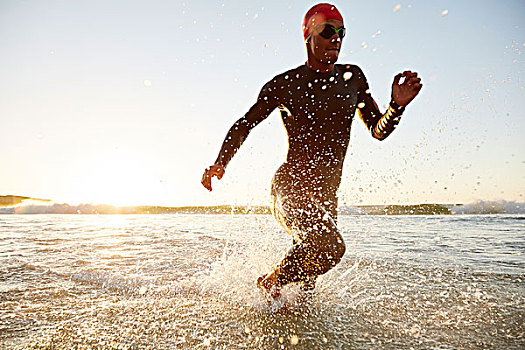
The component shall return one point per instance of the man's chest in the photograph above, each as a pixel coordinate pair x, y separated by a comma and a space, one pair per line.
330, 99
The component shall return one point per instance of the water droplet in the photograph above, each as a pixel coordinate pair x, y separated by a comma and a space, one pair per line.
323, 87
360, 105
397, 8
444, 13
347, 75
331, 79
294, 340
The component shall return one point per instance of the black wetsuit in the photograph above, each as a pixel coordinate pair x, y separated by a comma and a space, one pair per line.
317, 110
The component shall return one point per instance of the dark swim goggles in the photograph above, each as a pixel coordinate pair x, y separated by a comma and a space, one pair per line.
329, 31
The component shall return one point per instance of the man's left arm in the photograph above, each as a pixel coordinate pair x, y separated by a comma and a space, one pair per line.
382, 125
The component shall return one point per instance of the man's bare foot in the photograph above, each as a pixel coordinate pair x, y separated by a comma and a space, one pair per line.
269, 285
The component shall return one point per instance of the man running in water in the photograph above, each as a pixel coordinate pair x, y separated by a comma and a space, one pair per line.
317, 102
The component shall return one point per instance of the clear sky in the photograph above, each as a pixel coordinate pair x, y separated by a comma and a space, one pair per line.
126, 102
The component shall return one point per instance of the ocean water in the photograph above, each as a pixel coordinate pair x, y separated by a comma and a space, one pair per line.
188, 282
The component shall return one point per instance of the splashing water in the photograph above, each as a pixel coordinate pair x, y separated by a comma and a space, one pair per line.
188, 281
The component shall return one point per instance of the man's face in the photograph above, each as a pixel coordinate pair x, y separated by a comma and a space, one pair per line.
322, 49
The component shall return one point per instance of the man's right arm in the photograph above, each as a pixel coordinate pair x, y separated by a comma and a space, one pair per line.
266, 103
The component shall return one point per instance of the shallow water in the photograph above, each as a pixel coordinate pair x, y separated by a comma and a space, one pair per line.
187, 282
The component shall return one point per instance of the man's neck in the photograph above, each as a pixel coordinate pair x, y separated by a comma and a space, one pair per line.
320, 67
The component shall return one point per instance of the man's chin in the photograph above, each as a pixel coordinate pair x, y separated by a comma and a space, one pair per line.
330, 59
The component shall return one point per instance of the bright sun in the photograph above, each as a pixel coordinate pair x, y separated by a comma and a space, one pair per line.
120, 181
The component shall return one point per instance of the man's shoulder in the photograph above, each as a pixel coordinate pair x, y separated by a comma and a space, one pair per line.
291, 73
279, 81
351, 71
345, 67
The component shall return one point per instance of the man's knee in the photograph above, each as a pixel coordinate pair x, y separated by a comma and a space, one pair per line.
328, 252
341, 248
336, 250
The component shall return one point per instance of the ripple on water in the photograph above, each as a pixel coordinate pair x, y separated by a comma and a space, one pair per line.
167, 292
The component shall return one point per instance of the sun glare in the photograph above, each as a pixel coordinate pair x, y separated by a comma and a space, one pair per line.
119, 181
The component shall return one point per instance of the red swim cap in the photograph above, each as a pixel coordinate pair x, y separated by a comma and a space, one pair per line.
319, 14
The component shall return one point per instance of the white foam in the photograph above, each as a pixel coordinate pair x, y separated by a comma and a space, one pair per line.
490, 207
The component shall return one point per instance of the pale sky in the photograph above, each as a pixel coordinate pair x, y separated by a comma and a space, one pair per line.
126, 102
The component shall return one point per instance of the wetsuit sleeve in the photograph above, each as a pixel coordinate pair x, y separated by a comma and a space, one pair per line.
267, 101
380, 125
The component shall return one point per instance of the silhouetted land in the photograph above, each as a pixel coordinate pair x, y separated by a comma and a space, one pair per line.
220, 209
418, 209
9, 200
11, 205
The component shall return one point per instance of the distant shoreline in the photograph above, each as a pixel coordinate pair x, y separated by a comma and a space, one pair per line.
26, 205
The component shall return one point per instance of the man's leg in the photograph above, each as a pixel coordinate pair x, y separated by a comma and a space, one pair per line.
308, 285
317, 247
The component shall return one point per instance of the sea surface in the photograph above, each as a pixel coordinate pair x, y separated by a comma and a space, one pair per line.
188, 282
